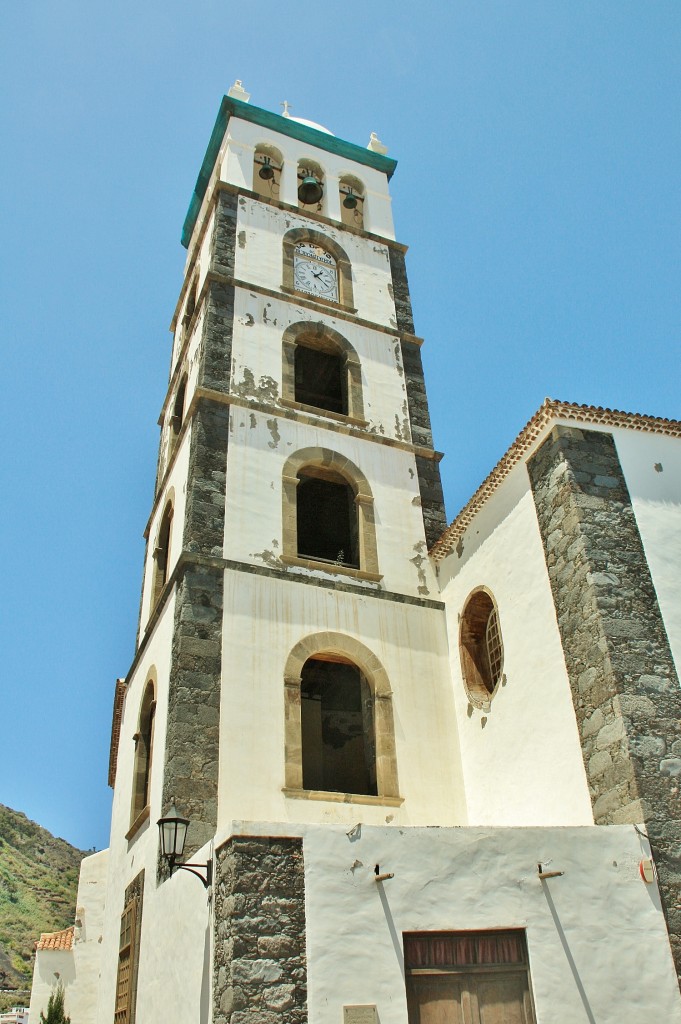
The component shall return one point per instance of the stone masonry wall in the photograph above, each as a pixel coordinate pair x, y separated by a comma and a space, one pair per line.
192, 738
430, 484
259, 971
624, 685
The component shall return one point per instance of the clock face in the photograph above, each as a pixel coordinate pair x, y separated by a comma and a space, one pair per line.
314, 271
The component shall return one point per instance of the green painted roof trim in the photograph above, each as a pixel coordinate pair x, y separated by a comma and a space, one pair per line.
285, 126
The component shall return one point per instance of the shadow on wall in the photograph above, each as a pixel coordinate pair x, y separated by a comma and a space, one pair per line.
204, 1011
568, 954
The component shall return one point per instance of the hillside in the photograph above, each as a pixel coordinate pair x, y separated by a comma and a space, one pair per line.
38, 887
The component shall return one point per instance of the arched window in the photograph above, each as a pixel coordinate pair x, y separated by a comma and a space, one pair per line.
352, 201
144, 745
190, 306
267, 165
481, 647
328, 515
161, 552
310, 186
326, 518
316, 266
337, 727
177, 418
321, 370
339, 720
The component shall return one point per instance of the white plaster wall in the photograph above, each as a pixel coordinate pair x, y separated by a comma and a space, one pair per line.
237, 168
263, 620
259, 446
259, 257
51, 967
79, 968
596, 936
259, 326
175, 951
656, 500
128, 857
522, 759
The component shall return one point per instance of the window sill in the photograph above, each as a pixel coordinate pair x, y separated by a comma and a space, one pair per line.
340, 416
343, 798
138, 822
332, 568
318, 298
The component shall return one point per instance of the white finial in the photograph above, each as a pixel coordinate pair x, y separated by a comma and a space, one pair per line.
285, 105
375, 144
237, 92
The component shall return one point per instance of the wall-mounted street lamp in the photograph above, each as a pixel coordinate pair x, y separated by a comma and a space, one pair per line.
173, 832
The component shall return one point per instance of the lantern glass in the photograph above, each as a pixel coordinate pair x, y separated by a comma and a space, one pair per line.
173, 831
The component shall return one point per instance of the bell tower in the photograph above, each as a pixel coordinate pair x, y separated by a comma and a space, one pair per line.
292, 643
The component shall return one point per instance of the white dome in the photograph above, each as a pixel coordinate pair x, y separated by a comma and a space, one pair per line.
311, 124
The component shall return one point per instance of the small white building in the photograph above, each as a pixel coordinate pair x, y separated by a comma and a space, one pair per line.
430, 772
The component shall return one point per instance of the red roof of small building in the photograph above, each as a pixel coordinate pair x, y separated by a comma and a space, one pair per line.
56, 940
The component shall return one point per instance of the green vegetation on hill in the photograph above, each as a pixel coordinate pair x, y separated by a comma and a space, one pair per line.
38, 888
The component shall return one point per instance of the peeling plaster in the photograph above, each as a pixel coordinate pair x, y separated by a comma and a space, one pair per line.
398, 358
416, 501
268, 557
247, 320
242, 239
418, 560
266, 389
254, 421
274, 431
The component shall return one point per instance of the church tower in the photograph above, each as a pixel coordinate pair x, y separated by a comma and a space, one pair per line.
292, 659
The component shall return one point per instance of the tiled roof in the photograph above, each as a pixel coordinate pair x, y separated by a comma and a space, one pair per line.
549, 411
56, 940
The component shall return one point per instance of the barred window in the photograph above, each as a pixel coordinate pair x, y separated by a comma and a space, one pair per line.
481, 647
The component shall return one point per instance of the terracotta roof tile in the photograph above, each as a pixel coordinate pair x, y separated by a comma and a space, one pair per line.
56, 940
550, 411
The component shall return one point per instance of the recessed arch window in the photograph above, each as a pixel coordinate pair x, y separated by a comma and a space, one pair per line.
177, 417
161, 553
337, 727
339, 720
328, 514
326, 518
267, 166
352, 201
316, 266
190, 305
310, 186
321, 370
144, 745
481, 647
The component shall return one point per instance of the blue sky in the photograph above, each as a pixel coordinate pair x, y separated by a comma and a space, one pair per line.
537, 187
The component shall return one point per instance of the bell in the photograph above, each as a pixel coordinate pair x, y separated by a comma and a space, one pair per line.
310, 190
350, 201
266, 172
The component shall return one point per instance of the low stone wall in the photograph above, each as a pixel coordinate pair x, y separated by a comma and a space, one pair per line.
259, 970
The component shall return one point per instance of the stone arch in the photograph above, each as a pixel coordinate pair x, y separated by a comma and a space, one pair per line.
327, 464
144, 748
267, 183
348, 648
352, 199
289, 242
324, 338
161, 552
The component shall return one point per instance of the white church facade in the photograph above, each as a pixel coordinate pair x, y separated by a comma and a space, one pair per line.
431, 773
